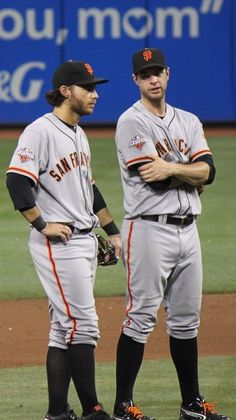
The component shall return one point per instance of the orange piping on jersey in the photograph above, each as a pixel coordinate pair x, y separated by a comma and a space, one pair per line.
201, 153
132, 161
128, 269
23, 171
61, 290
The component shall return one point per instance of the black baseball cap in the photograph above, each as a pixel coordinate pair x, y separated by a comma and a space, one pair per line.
75, 73
148, 57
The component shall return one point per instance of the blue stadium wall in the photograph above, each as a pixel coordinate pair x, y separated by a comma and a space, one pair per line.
197, 36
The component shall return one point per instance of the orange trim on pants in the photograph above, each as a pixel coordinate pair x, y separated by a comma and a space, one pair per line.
61, 290
128, 269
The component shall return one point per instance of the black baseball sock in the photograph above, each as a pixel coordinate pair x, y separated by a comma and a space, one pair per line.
129, 360
82, 364
58, 376
185, 357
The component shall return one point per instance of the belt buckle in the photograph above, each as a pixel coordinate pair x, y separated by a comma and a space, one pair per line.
183, 221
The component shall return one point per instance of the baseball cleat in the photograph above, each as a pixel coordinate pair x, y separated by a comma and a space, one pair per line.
67, 415
97, 413
129, 411
201, 410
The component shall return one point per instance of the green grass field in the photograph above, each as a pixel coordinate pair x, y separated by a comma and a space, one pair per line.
24, 391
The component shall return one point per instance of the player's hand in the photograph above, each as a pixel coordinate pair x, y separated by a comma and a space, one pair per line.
59, 230
157, 170
116, 242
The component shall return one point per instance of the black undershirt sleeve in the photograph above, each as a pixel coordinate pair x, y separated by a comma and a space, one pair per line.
20, 190
208, 159
98, 202
155, 185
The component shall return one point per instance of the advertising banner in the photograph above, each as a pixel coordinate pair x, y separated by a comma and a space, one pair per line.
198, 38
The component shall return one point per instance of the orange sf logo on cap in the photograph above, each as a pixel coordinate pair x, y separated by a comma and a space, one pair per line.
147, 55
89, 68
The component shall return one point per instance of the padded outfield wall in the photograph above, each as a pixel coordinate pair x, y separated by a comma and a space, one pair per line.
197, 36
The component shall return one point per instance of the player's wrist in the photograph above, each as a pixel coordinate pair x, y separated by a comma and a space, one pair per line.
175, 169
39, 224
111, 229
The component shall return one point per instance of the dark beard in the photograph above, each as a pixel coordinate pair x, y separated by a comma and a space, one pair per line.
79, 110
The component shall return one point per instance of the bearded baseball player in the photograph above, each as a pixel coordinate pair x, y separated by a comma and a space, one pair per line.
50, 183
164, 160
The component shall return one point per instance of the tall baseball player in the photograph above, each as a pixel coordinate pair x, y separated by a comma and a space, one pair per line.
50, 182
164, 159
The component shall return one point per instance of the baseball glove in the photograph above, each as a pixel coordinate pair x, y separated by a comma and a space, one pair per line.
106, 252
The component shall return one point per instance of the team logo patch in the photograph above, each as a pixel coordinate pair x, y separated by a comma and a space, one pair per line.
137, 142
89, 68
147, 55
25, 154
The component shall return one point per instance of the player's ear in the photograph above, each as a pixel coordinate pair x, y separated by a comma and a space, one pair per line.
168, 72
134, 77
65, 91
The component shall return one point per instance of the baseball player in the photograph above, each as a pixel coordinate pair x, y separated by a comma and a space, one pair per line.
164, 159
50, 183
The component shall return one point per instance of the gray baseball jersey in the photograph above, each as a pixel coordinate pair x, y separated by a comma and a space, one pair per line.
162, 259
178, 137
58, 161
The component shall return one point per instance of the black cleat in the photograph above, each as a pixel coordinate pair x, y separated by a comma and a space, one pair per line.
201, 410
97, 413
67, 415
129, 411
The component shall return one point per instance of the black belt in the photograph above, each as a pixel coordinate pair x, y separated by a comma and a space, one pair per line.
57, 239
178, 221
75, 229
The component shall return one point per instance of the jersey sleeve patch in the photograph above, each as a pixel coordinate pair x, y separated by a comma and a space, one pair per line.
25, 154
137, 142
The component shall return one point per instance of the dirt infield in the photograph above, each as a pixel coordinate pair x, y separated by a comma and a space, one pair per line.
24, 330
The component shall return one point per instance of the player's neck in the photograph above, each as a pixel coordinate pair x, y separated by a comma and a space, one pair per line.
157, 108
67, 117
